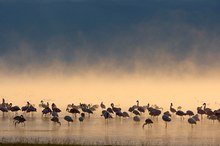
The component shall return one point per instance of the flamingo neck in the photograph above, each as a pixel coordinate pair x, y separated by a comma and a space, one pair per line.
204, 106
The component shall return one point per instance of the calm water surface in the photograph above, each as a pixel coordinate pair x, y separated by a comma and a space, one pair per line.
95, 130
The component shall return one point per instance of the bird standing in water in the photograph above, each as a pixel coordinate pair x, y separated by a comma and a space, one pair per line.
148, 122
82, 117
166, 118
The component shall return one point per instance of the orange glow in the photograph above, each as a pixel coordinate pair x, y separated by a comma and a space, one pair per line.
123, 90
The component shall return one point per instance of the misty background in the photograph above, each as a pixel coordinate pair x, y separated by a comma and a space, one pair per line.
154, 51
109, 36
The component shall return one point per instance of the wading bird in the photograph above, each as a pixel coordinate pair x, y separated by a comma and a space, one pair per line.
136, 119
102, 105
166, 118
172, 110
148, 122
68, 119
191, 121
19, 119
82, 117
56, 120
140, 108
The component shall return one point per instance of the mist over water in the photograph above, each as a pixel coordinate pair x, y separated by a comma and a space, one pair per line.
112, 51
82, 51
123, 91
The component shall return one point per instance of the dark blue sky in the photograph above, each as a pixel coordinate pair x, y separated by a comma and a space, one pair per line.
89, 31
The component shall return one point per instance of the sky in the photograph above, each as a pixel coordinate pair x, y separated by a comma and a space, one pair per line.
110, 43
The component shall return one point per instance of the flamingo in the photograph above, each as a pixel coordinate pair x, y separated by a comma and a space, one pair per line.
154, 112
196, 117
136, 112
46, 111
74, 111
42, 104
157, 107
136, 119
167, 113
24, 108
87, 110
31, 109
81, 119
200, 111
140, 108
110, 110
55, 109
172, 109
115, 109
148, 122
125, 114
106, 115
181, 114
56, 120
3, 109
131, 109
95, 106
149, 108
3, 106
28, 108
70, 106
206, 109
68, 119
217, 113
213, 118
15, 108
191, 121
102, 105
92, 108
119, 114
189, 113
19, 119
166, 118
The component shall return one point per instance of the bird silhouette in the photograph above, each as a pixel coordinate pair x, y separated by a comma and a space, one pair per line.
19, 119
191, 121
102, 105
82, 117
136, 119
140, 108
73, 111
148, 122
189, 113
56, 120
172, 110
166, 118
181, 114
68, 119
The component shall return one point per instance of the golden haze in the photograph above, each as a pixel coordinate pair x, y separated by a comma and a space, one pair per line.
187, 92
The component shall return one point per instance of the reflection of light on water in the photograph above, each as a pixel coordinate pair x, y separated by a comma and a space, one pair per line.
95, 130
124, 92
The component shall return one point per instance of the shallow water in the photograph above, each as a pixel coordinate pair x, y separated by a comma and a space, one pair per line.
95, 130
